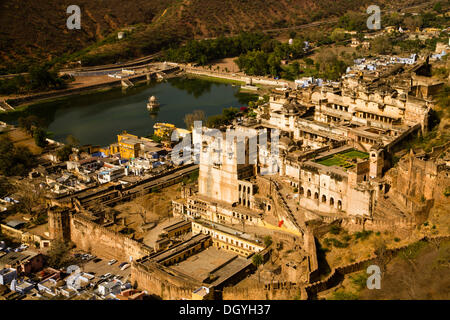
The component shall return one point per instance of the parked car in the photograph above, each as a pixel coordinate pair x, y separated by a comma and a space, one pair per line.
97, 260
106, 276
122, 264
111, 262
127, 265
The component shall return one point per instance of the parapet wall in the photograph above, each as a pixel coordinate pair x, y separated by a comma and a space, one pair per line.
336, 273
293, 291
260, 293
160, 283
92, 237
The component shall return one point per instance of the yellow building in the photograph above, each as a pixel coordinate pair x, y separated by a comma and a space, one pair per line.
432, 30
163, 129
128, 145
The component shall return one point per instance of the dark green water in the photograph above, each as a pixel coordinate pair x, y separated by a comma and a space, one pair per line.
97, 118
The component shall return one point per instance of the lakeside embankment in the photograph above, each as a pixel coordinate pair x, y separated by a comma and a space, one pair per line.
20, 104
97, 118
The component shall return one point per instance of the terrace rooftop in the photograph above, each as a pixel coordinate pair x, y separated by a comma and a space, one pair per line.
345, 159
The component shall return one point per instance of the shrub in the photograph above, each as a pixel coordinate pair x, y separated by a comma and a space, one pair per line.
347, 238
14, 161
335, 229
342, 295
360, 280
412, 250
363, 235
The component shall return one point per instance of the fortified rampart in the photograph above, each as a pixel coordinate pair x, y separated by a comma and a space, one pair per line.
94, 238
161, 282
262, 292
337, 273
287, 291
418, 177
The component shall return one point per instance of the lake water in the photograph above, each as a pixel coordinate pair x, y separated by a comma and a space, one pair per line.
97, 118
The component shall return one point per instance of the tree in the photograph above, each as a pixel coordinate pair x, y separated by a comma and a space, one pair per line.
5, 187
309, 61
190, 118
267, 241
412, 23
257, 260
59, 255
438, 7
42, 78
352, 21
329, 65
382, 254
40, 136
338, 34
14, 161
64, 153
30, 198
382, 45
30, 122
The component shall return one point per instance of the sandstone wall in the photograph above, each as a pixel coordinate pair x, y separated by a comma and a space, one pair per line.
260, 293
336, 273
161, 284
90, 236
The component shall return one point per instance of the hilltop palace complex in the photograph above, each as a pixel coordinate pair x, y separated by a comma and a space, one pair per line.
336, 141
306, 158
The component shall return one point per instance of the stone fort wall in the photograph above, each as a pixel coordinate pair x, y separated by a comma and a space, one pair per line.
161, 283
292, 291
92, 237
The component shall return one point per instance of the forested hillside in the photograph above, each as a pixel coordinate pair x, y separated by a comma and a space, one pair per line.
35, 31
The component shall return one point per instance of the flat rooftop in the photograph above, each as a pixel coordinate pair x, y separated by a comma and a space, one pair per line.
200, 265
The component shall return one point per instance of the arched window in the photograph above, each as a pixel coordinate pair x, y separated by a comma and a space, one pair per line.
308, 194
324, 198
316, 195
339, 204
331, 201
302, 191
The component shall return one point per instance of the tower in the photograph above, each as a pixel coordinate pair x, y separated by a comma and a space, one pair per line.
376, 162
59, 223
